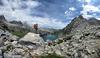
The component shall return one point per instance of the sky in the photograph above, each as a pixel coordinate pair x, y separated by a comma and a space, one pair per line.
49, 13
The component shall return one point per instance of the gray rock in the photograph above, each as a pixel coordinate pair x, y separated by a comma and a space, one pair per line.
32, 37
13, 37
11, 56
16, 56
1, 57
97, 34
0, 52
1, 42
7, 55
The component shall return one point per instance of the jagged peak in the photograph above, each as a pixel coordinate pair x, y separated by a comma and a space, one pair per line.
94, 21
2, 18
92, 18
80, 16
74, 23
17, 22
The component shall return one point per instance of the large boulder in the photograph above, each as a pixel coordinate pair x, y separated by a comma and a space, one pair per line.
97, 34
33, 38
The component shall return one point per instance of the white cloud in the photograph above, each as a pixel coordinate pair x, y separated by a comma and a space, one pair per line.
70, 14
72, 9
88, 1
32, 4
20, 15
87, 16
23, 14
90, 8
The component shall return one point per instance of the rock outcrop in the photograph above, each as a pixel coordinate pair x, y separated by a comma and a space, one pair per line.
32, 37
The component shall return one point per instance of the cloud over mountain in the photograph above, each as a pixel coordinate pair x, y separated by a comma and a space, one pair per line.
49, 13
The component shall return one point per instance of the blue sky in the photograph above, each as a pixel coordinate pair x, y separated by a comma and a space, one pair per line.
49, 13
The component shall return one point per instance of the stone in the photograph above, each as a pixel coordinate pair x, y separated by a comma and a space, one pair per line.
76, 36
0, 52
30, 47
13, 37
32, 37
14, 42
1, 57
97, 34
1, 42
18, 51
16, 56
58, 52
6, 55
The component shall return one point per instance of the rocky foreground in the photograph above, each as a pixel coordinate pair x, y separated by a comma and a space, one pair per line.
79, 45
81, 41
11, 47
84, 44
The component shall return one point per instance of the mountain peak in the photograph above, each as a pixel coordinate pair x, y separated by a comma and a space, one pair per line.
2, 18
74, 24
94, 21
80, 16
17, 23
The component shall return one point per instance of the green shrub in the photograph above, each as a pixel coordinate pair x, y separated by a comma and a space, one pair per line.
19, 34
60, 41
54, 55
9, 47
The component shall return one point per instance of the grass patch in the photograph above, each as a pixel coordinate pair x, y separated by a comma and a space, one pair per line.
54, 55
19, 34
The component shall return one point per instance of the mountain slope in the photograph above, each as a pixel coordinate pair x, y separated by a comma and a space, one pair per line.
74, 24
79, 24
79, 39
16, 29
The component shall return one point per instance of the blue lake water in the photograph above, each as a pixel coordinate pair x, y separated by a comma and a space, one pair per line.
50, 37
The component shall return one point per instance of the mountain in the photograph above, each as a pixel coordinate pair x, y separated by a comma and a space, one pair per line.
2, 18
79, 39
74, 24
14, 27
94, 21
17, 22
2, 22
79, 23
20, 28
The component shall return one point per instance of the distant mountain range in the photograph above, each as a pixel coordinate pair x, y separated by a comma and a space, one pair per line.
11, 26
20, 27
